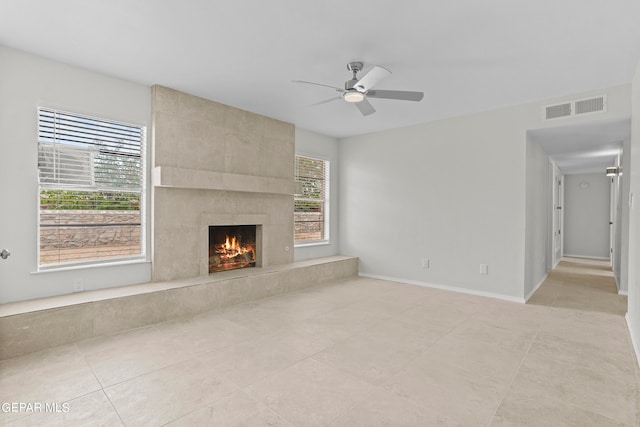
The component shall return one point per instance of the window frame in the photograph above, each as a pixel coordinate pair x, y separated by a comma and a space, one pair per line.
143, 198
326, 202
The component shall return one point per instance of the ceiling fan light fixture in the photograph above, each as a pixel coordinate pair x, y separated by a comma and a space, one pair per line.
353, 96
359, 91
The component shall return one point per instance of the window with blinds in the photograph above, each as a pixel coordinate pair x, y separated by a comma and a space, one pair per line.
91, 178
311, 206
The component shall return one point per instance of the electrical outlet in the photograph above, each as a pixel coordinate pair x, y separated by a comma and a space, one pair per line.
425, 263
78, 285
484, 269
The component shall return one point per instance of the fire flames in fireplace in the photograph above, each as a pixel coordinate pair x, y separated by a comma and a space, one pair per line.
230, 251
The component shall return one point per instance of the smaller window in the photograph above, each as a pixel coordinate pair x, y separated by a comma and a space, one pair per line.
311, 206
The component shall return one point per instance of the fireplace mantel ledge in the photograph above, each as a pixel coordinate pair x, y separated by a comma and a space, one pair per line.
173, 177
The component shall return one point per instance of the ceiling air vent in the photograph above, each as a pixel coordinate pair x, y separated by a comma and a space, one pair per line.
576, 107
592, 105
556, 111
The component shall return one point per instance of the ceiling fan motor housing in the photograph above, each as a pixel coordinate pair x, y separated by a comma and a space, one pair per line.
350, 84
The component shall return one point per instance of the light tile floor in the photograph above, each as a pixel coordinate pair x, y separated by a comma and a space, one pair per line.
358, 353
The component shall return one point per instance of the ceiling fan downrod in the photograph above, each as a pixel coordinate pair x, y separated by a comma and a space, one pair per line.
354, 67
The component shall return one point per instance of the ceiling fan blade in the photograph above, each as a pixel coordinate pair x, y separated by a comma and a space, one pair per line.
369, 80
401, 95
335, 98
365, 107
317, 84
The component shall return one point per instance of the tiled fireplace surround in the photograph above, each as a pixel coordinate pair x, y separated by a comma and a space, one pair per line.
212, 165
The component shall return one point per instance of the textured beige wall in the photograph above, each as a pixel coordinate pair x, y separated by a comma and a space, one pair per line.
191, 133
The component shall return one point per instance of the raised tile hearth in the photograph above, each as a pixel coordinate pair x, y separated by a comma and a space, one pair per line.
29, 326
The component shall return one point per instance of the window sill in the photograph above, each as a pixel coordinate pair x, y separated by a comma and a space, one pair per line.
53, 269
308, 244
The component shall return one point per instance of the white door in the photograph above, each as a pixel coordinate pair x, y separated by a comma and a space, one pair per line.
558, 217
612, 216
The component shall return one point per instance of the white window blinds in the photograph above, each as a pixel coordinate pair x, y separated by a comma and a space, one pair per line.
311, 213
91, 178
80, 151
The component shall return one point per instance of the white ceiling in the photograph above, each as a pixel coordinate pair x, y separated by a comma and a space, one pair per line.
466, 55
587, 148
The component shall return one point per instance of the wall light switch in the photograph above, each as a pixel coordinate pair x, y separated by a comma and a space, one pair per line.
484, 269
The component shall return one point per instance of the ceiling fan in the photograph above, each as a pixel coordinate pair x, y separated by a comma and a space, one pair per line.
357, 91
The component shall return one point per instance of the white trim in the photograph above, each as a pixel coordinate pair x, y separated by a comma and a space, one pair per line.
315, 243
621, 292
634, 344
586, 257
92, 264
445, 287
530, 294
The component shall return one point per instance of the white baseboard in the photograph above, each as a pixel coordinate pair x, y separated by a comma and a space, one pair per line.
445, 288
530, 294
636, 349
624, 293
586, 257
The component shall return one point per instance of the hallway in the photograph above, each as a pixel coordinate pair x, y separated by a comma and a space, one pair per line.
581, 284
587, 345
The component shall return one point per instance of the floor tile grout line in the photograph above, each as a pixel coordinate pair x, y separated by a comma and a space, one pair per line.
376, 388
93, 372
102, 387
273, 411
264, 406
515, 374
156, 369
273, 374
113, 407
209, 405
197, 357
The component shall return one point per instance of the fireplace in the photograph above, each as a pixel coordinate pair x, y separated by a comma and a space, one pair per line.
232, 247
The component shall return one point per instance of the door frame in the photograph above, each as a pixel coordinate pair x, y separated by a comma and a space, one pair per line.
557, 214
